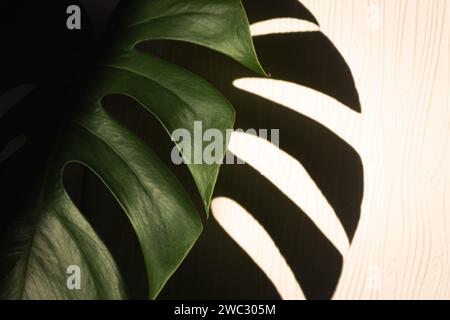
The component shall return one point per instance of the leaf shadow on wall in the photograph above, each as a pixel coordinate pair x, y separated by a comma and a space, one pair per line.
217, 269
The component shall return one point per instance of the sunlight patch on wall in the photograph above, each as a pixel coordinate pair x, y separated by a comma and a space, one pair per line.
282, 25
257, 243
313, 104
284, 172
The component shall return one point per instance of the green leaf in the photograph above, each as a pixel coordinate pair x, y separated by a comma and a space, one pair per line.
220, 25
52, 234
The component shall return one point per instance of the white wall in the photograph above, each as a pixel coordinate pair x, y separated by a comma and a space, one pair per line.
399, 53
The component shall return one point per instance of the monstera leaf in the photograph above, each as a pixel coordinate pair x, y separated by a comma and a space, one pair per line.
326, 170
51, 234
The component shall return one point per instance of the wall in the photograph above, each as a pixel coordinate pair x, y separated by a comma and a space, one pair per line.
398, 52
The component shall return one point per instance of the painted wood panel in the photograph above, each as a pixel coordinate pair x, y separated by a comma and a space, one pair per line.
399, 54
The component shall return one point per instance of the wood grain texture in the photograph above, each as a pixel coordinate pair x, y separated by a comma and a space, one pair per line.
399, 53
